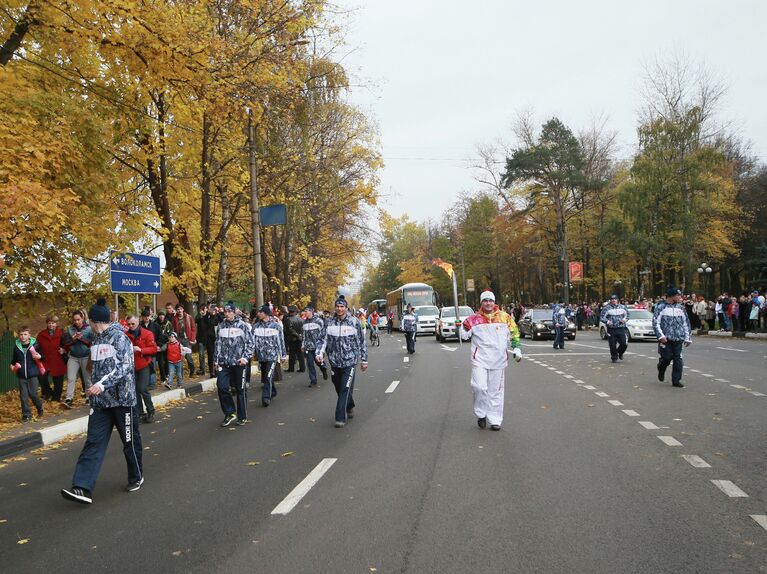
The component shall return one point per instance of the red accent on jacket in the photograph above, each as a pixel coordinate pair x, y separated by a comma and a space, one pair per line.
174, 352
145, 341
49, 347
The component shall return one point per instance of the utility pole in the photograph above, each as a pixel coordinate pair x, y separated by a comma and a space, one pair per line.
255, 217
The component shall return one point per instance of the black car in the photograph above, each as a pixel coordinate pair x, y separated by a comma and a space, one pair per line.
538, 324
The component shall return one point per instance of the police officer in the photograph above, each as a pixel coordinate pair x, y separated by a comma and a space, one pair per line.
672, 327
614, 316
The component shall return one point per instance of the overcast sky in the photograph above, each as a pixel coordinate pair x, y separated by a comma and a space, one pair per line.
446, 75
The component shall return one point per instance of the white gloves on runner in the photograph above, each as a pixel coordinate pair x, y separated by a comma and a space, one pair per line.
517, 354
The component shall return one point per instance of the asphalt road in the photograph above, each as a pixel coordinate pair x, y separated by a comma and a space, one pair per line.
571, 484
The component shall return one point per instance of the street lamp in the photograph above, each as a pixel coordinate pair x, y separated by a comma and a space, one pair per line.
704, 270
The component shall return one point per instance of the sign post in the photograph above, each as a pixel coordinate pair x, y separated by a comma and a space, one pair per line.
134, 273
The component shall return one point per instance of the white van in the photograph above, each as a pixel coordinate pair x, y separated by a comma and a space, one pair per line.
428, 316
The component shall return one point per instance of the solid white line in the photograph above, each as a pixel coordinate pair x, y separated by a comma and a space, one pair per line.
648, 425
601, 394
757, 394
615, 403
589, 387
696, 461
630, 413
591, 347
392, 387
729, 488
738, 387
295, 496
670, 441
731, 349
561, 354
760, 519
405, 359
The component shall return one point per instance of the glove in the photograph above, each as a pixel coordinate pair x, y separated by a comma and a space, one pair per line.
15, 367
517, 354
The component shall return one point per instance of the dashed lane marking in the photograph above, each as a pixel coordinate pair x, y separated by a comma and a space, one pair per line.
706, 375
696, 461
738, 387
405, 359
580, 382
569, 377
760, 519
694, 371
295, 496
648, 425
729, 488
722, 380
601, 394
630, 413
392, 387
589, 387
560, 372
615, 403
670, 441
757, 394
731, 349
561, 354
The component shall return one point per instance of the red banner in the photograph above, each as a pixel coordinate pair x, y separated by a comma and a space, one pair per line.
576, 271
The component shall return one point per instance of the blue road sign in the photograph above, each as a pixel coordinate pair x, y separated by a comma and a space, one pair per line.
273, 215
134, 273
134, 263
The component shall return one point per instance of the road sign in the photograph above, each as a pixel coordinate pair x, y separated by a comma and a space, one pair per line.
273, 215
470, 284
134, 273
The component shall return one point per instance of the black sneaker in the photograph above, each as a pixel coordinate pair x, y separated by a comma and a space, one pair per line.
81, 495
26, 419
134, 486
68, 403
350, 414
495, 427
325, 374
614, 360
241, 422
265, 402
482, 423
620, 356
228, 419
149, 417
661, 375
679, 384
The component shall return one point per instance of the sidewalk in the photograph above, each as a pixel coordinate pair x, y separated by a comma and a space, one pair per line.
55, 427
736, 334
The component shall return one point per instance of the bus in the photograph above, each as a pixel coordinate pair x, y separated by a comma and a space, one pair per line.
415, 294
380, 306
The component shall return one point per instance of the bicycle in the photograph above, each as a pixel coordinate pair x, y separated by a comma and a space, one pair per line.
375, 340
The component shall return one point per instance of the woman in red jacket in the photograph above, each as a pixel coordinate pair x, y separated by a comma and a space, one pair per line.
54, 359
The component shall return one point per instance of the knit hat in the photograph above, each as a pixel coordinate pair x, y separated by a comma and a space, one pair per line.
672, 291
309, 307
229, 306
487, 294
266, 310
342, 301
614, 296
100, 313
172, 334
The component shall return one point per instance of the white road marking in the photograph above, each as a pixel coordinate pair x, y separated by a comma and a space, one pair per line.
615, 403
670, 441
722, 380
591, 347
446, 348
561, 355
589, 387
295, 496
694, 371
696, 461
580, 382
601, 394
404, 347
648, 425
757, 394
392, 387
551, 368
405, 359
630, 413
738, 387
760, 519
560, 372
731, 349
729, 488
706, 375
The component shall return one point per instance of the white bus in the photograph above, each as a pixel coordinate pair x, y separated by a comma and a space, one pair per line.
415, 294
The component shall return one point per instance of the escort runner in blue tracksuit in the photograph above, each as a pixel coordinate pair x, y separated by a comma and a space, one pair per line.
310, 339
614, 316
270, 348
559, 318
112, 396
345, 346
672, 327
410, 327
231, 358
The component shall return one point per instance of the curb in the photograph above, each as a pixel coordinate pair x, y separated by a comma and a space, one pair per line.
730, 335
55, 433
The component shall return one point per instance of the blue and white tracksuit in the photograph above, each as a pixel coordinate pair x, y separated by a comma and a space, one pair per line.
559, 318
112, 370
670, 320
270, 349
615, 317
344, 344
311, 334
410, 328
234, 342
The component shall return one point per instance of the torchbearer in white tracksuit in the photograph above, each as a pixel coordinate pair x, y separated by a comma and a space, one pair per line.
493, 334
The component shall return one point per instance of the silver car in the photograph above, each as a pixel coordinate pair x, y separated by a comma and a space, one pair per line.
638, 326
447, 326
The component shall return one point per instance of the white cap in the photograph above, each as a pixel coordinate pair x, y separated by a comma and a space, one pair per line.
487, 294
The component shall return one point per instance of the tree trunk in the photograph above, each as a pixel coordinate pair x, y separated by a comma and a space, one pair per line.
28, 19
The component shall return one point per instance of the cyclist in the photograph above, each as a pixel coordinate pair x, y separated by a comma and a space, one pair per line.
373, 324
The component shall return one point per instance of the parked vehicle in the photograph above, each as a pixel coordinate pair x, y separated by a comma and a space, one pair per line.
427, 318
638, 326
538, 324
447, 326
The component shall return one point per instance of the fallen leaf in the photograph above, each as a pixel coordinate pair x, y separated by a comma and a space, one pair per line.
312, 419
200, 417
23, 484
23, 541
254, 463
289, 453
3, 521
177, 553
